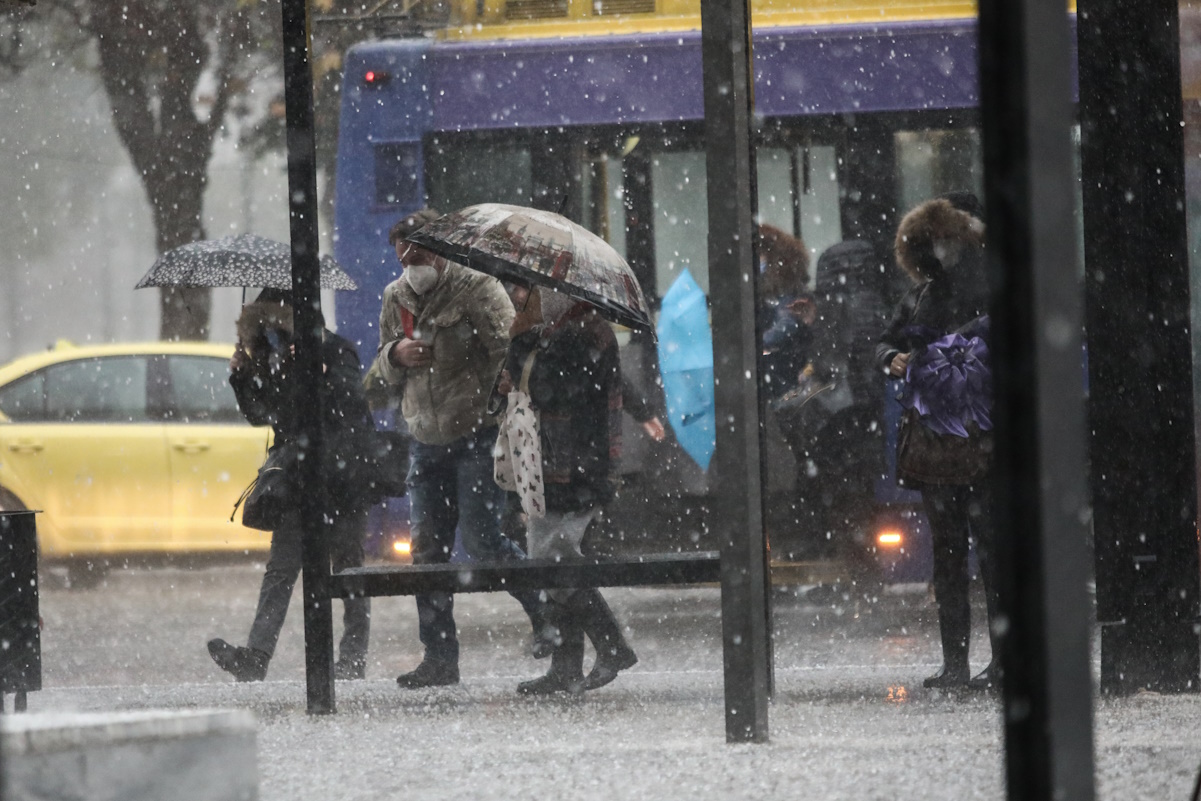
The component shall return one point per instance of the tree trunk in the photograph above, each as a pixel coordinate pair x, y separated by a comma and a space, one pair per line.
176, 193
151, 58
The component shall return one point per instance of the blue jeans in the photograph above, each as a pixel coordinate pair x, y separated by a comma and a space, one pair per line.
452, 486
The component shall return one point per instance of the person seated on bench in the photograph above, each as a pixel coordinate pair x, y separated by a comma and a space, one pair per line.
444, 332
570, 367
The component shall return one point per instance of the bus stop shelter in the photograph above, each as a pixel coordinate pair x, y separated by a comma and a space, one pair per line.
1147, 572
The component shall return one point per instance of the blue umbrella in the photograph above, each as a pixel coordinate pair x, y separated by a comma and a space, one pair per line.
686, 362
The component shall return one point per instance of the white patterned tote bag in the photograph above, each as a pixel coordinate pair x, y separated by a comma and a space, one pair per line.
517, 464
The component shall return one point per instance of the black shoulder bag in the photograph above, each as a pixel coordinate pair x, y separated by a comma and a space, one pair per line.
271, 494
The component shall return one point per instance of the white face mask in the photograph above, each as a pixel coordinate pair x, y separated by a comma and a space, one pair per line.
421, 277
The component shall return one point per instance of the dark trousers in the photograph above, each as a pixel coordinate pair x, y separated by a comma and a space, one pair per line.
452, 487
959, 515
345, 533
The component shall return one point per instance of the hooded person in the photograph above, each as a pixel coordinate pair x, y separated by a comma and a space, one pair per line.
940, 246
571, 370
261, 374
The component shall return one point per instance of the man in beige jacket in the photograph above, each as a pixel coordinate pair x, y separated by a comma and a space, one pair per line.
444, 333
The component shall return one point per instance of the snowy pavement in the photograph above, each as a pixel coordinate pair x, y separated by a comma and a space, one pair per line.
849, 719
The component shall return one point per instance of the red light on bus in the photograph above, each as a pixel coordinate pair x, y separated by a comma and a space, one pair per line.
375, 77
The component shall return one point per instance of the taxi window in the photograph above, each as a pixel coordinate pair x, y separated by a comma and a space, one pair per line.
107, 390
23, 401
200, 391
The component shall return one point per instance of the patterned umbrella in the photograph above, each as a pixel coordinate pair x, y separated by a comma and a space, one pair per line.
244, 260
528, 246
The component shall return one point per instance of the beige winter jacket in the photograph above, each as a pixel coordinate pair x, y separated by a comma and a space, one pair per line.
466, 319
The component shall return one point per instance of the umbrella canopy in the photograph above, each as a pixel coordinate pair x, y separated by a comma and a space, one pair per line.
686, 363
244, 260
528, 246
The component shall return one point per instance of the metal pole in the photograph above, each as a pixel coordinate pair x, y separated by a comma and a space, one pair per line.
1041, 501
302, 204
738, 512
1140, 355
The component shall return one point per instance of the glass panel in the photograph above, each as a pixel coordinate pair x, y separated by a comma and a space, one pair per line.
681, 218
23, 401
110, 390
201, 392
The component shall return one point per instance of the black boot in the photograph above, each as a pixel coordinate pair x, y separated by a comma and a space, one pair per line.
613, 653
432, 672
987, 679
546, 634
346, 669
566, 674
955, 670
245, 664
990, 677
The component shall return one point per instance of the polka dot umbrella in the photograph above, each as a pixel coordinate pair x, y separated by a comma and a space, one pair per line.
244, 260
529, 246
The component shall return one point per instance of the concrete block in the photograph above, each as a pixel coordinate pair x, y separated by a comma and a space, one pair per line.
201, 755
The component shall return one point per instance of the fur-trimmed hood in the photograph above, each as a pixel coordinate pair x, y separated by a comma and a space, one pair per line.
932, 238
257, 319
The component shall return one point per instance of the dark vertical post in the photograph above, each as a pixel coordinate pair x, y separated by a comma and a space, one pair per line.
738, 513
306, 290
1041, 494
1140, 376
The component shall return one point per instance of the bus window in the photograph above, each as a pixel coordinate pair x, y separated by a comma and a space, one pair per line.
462, 172
821, 222
681, 218
932, 162
604, 201
779, 202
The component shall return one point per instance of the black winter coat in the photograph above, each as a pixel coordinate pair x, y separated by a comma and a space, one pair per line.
264, 392
575, 384
942, 250
850, 314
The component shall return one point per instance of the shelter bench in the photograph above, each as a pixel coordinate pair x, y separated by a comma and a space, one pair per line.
528, 574
742, 692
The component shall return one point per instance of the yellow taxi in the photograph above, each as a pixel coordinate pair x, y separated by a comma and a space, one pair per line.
127, 449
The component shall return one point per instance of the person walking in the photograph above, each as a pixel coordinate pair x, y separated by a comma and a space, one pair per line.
569, 366
940, 245
261, 374
444, 333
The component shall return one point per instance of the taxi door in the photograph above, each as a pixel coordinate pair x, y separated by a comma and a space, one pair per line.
214, 454
91, 458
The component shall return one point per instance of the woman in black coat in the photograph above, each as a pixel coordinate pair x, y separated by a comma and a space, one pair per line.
940, 245
574, 383
261, 374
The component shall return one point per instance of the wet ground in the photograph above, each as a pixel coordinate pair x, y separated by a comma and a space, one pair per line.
850, 719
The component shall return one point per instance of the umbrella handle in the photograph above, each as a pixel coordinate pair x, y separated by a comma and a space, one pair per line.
496, 401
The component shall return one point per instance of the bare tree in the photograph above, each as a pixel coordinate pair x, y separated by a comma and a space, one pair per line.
163, 64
